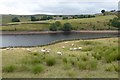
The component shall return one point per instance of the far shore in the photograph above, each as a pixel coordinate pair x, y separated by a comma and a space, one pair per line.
47, 32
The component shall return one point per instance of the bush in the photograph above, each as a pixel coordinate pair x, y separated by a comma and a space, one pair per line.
111, 54
82, 65
9, 68
84, 58
50, 61
67, 27
37, 69
53, 27
65, 60
15, 19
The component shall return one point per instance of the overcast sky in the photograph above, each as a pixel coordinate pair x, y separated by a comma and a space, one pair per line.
56, 6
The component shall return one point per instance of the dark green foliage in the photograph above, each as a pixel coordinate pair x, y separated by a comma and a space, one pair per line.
115, 22
67, 27
34, 18
9, 68
15, 19
103, 12
50, 61
53, 27
37, 69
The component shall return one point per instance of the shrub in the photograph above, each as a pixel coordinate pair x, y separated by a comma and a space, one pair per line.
50, 61
15, 19
111, 54
9, 68
82, 65
92, 64
65, 60
37, 69
84, 58
67, 27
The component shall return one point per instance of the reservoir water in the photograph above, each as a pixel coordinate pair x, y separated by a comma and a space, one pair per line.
42, 39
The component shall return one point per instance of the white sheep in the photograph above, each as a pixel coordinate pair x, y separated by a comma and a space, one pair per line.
47, 51
29, 50
66, 42
72, 44
7, 48
59, 53
71, 49
63, 47
79, 48
74, 48
43, 50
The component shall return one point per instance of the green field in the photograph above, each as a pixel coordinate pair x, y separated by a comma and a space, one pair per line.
97, 23
98, 58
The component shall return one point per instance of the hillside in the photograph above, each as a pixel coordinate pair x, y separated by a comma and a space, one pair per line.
97, 23
95, 58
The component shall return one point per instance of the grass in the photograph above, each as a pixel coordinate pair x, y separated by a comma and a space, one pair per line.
90, 63
37, 69
9, 68
50, 61
97, 23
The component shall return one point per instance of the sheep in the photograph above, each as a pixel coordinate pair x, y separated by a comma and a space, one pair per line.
72, 44
66, 42
79, 48
47, 51
74, 48
63, 47
7, 48
71, 49
59, 53
28, 50
43, 50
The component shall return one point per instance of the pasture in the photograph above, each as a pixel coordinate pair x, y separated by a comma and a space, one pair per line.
88, 59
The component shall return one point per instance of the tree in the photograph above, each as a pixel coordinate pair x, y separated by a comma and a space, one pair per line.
34, 18
103, 12
44, 18
67, 27
53, 27
15, 19
115, 22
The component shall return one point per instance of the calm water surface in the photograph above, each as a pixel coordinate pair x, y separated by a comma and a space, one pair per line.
41, 39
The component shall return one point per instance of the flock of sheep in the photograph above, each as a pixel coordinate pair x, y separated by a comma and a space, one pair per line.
47, 51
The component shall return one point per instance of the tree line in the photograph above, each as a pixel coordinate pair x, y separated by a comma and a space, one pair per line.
58, 26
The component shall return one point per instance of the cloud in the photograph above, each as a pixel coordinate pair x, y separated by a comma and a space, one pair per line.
56, 6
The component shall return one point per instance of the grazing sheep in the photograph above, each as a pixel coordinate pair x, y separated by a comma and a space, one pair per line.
59, 53
47, 51
63, 47
28, 50
79, 48
7, 48
66, 42
72, 44
71, 49
74, 48
43, 50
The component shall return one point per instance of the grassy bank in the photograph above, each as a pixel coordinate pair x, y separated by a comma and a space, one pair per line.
97, 23
96, 57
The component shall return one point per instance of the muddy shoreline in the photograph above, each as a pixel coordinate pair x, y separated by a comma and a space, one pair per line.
50, 32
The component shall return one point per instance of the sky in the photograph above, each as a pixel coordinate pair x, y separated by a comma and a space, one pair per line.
56, 7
